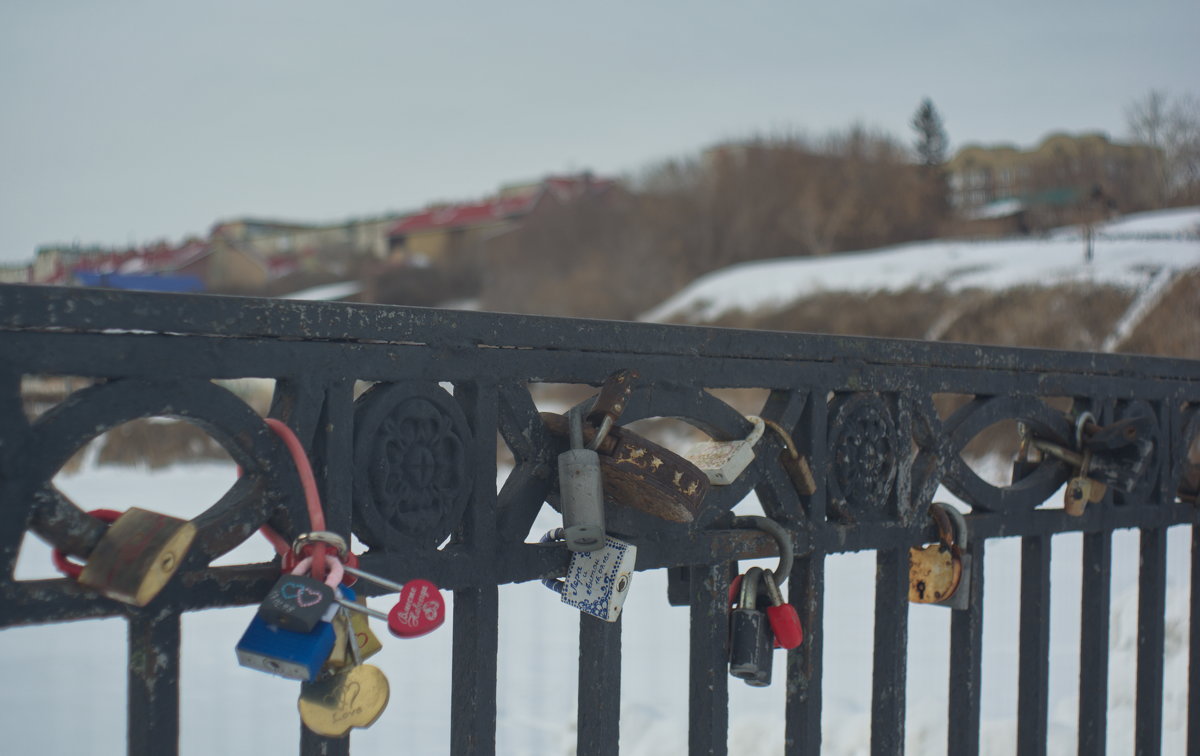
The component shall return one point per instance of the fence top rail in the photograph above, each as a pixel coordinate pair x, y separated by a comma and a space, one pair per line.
47, 308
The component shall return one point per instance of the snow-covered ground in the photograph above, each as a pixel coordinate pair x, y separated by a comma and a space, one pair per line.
66, 683
953, 265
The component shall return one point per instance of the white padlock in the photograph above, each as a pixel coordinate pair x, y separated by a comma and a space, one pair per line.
724, 461
598, 581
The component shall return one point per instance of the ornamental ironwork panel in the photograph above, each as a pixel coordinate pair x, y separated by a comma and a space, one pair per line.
403, 412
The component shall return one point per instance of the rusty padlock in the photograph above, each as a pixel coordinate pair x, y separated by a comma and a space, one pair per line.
936, 571
137, 556
641, 475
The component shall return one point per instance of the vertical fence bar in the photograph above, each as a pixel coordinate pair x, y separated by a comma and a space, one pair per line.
708, 678
807, 594
1193, 734
1034, 673
1152, 602
153, 715
312, 744
599, 718
966, 664
1096, 598
333, 466
473, 671
891, 649
477, 610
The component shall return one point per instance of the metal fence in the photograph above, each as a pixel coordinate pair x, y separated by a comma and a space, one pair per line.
861, 411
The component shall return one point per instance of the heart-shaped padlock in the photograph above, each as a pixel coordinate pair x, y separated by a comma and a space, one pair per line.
419, 610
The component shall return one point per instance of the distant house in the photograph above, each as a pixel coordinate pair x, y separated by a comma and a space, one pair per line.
195, 265
441, 232
1057, 180
362, 237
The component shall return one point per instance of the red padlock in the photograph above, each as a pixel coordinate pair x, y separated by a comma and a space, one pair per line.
783, 617
419, 608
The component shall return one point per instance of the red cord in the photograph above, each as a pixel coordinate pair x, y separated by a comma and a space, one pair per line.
316, 515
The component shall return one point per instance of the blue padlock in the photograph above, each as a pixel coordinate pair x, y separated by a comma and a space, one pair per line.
298, 656
287, 653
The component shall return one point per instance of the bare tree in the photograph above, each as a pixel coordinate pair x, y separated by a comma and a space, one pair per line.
1171, 126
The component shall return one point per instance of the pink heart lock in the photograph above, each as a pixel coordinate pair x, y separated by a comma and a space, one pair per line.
419, 610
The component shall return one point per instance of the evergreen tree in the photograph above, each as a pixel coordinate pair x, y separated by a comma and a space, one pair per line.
931, 145
931, 141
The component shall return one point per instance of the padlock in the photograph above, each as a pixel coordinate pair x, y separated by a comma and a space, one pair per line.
939, 572
581, 491
298, 602
364, 639
723, 461
339, 655
419, 608
298, 656
597, 582
354, 637
137, 556
1080, 492
750, 638
295, 655
782, 616
640, 475
353, 696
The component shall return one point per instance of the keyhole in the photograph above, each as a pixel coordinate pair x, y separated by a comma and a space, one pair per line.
168, 562
921, 589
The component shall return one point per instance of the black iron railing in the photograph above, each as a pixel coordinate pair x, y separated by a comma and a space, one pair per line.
861, 411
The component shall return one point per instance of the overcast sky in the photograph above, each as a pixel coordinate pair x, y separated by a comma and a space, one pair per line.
130, 121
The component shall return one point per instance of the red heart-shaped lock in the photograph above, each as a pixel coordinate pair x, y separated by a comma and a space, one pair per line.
785, 624
419, 610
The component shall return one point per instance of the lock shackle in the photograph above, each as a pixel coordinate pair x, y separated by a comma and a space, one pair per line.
58, 556
748, 597
789, 445
602, 433
783, 539
1080, 423
951, 525
555, 584
327, 537
610, 403
575, 424
774, 595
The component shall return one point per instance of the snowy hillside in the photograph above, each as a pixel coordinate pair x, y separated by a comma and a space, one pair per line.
1130, 252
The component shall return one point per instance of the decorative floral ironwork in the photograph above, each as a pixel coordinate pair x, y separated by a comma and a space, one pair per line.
412, 481
863, 448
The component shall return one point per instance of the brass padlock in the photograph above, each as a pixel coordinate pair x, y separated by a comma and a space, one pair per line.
794, 464
137, 556
935, 571
641, 475
1080, 492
